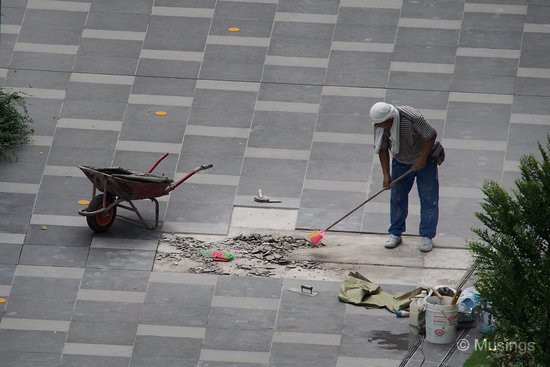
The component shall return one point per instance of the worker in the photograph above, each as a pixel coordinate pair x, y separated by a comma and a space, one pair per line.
405, 133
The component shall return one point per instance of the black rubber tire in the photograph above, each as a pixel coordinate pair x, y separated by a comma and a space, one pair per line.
101, 222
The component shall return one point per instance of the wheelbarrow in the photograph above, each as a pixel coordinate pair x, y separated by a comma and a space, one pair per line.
120, 185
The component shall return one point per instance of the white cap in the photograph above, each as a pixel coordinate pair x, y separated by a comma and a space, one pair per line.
380, 112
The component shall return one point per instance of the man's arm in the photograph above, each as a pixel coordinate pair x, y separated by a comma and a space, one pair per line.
427, 146
384, 156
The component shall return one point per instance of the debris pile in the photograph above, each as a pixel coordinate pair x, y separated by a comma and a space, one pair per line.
256, 254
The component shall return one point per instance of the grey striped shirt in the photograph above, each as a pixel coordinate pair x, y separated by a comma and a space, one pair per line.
414, 130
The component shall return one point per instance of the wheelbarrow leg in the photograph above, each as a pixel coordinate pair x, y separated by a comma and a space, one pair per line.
141, 218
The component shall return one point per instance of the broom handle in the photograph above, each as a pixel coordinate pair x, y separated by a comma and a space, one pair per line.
369, 199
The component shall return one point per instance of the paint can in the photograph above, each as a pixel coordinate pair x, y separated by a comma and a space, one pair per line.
441, 320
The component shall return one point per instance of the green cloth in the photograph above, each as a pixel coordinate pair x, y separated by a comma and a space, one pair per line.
360, 291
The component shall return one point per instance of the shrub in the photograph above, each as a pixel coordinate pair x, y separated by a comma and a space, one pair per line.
512, 260
15, 123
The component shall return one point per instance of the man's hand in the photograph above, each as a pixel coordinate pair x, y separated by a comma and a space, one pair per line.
387, 181
419, 163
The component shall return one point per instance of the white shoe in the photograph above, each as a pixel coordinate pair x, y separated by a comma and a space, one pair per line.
426, 244
393, 241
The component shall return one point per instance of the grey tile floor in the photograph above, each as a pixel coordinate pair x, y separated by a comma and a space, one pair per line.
281, 105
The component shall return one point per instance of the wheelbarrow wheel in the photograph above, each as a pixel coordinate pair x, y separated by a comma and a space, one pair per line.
102, 221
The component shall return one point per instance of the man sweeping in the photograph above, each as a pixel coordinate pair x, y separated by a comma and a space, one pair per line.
405, 133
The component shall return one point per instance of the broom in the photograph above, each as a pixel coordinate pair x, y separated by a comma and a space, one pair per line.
316, 236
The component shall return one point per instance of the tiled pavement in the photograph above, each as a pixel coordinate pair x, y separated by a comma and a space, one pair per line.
280, 105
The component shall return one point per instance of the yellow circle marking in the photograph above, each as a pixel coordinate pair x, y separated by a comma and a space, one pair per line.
233, 29
3, 300
84, 202
161, 113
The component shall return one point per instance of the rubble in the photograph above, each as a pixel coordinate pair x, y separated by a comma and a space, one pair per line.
255, 254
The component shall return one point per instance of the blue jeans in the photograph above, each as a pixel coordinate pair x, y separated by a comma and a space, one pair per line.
428, 192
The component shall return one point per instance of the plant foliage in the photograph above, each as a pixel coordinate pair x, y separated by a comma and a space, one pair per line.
512, 260
15, 123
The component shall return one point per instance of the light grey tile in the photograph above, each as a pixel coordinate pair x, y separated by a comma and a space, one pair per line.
59, 5
113, 35
305, 18
98, 350
379, 4
171, 331
306, 338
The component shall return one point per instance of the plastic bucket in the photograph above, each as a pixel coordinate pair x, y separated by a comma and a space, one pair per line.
441, 320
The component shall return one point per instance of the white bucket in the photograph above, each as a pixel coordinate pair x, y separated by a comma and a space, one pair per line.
441, 320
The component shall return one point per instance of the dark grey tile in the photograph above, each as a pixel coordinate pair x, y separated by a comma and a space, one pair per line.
209, 212
36, 79
419, 99
105, 65
29, 359
347, 170
333, 200
117, 21
537, 105
309, 6
223, 165
168, 68
522, 140
538, 14
290, 93
40, 308
429, 54
368, 16
93, 361
386, 337
62, 19
347, 105
141, 124
532, 86
118, 333
250, 11
485, 66
15, 211
13, 15
120, 259
234, 54
183, 294
463, 121
490, 39
282, 130
72, 147
174, 314
209, 146
74, 257
311, 31
26, 165
31, 33
342, 123
221, 116
105, 312
364, 33
9, 253
299, 47
286, 355
427, 37
241, 340
155, 346
32, 341
94, 110
228, 100
458, 225
351, 68
112, 48
47, 288
58, 235
248, 27
274, 187
236, 318
490, 22
340, 152
160, 362
164, 86
123, 6
274, 168
425, 81
115, 280
6, 49
33, 60
479, 164
320, 218
249, 287
60, 195
176, 34
7, 273
44, 114
232, 71
451, 10
476, 83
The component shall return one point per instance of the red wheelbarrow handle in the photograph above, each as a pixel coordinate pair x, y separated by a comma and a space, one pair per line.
187, 176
